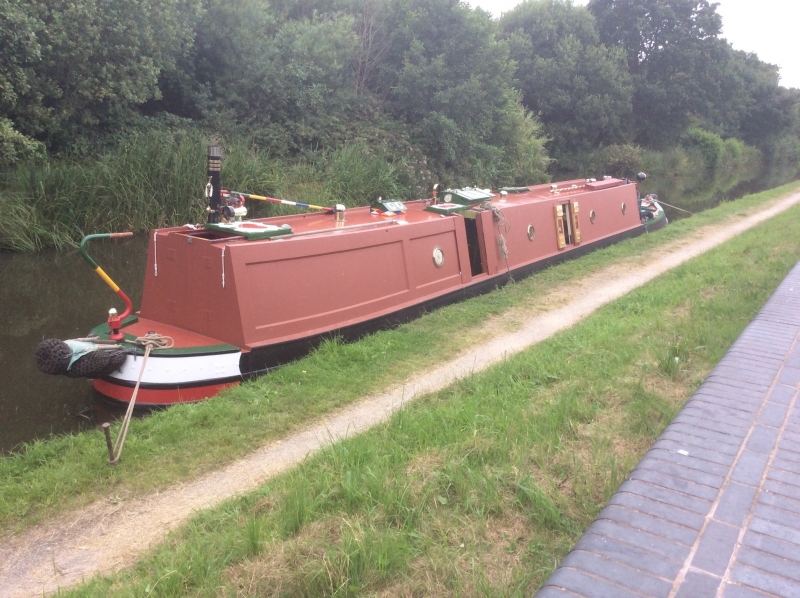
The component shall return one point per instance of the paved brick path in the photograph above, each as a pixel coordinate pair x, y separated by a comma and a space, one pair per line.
713, 509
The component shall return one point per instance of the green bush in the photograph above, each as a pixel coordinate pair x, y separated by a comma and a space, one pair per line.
14, 146
693, 175
709, 145
782, 159
617, 160
525, 158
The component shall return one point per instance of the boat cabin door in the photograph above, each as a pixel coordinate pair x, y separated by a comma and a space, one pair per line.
477, 261
567, 225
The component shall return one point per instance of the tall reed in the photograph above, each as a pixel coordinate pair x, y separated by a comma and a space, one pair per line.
157, 178
149, 180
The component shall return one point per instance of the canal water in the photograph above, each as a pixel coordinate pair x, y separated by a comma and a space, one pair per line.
56, 295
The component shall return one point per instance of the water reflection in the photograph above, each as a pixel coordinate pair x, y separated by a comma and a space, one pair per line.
56, 295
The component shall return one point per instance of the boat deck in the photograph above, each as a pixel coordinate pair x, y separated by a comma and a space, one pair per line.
311, 222
179, 338
713, 508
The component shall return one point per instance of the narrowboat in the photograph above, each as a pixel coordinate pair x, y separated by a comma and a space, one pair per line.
236, 297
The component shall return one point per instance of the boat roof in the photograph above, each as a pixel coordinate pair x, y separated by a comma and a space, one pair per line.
362, 218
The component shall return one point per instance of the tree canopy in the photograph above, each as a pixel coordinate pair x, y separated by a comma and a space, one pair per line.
580, 88
434, 79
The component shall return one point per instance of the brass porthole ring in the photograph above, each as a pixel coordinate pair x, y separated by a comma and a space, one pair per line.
624, 208
438, 257
593, 216
531, 232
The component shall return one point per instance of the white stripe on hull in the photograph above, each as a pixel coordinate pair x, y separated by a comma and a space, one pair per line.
178, 370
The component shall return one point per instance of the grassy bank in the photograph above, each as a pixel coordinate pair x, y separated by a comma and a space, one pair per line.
480, 489
695, 175
47, 477
157, 179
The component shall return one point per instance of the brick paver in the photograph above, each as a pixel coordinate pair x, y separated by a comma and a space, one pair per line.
713, 508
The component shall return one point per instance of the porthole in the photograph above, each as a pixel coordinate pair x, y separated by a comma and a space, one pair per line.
592, 216
438, 257
624, 208
531, 232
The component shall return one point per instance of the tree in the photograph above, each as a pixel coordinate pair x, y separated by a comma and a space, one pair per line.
450, 82
649, 30
91, 60
768, 108
374, 44
671, 48
580, 88
21, 52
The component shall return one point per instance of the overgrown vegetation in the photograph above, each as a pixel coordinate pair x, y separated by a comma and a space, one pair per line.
331, 100
156, 179
47, 476
694, 175
480, 489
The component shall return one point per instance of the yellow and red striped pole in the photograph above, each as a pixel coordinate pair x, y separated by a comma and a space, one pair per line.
285, 202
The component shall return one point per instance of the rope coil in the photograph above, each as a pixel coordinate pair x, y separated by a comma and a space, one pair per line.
154, 341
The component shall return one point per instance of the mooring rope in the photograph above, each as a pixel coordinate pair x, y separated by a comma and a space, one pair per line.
149, 341
674, 207
503, 225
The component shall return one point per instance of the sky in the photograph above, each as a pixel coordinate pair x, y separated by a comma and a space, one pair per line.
766, 27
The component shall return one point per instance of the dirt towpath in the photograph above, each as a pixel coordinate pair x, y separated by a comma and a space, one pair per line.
107, 537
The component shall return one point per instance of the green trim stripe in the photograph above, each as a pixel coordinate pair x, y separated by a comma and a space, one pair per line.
101, 331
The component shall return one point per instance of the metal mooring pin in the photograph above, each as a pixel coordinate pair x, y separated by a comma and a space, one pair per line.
106, 430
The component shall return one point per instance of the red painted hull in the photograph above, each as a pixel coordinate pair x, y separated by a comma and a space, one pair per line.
161, 397
238, 307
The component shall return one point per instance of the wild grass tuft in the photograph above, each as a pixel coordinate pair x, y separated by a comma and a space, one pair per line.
357, 176
673, 360
540, 507
295, 511
254, 535
648, 412
151, 179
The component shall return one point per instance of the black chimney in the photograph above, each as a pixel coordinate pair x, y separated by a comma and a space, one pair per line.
215, 201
